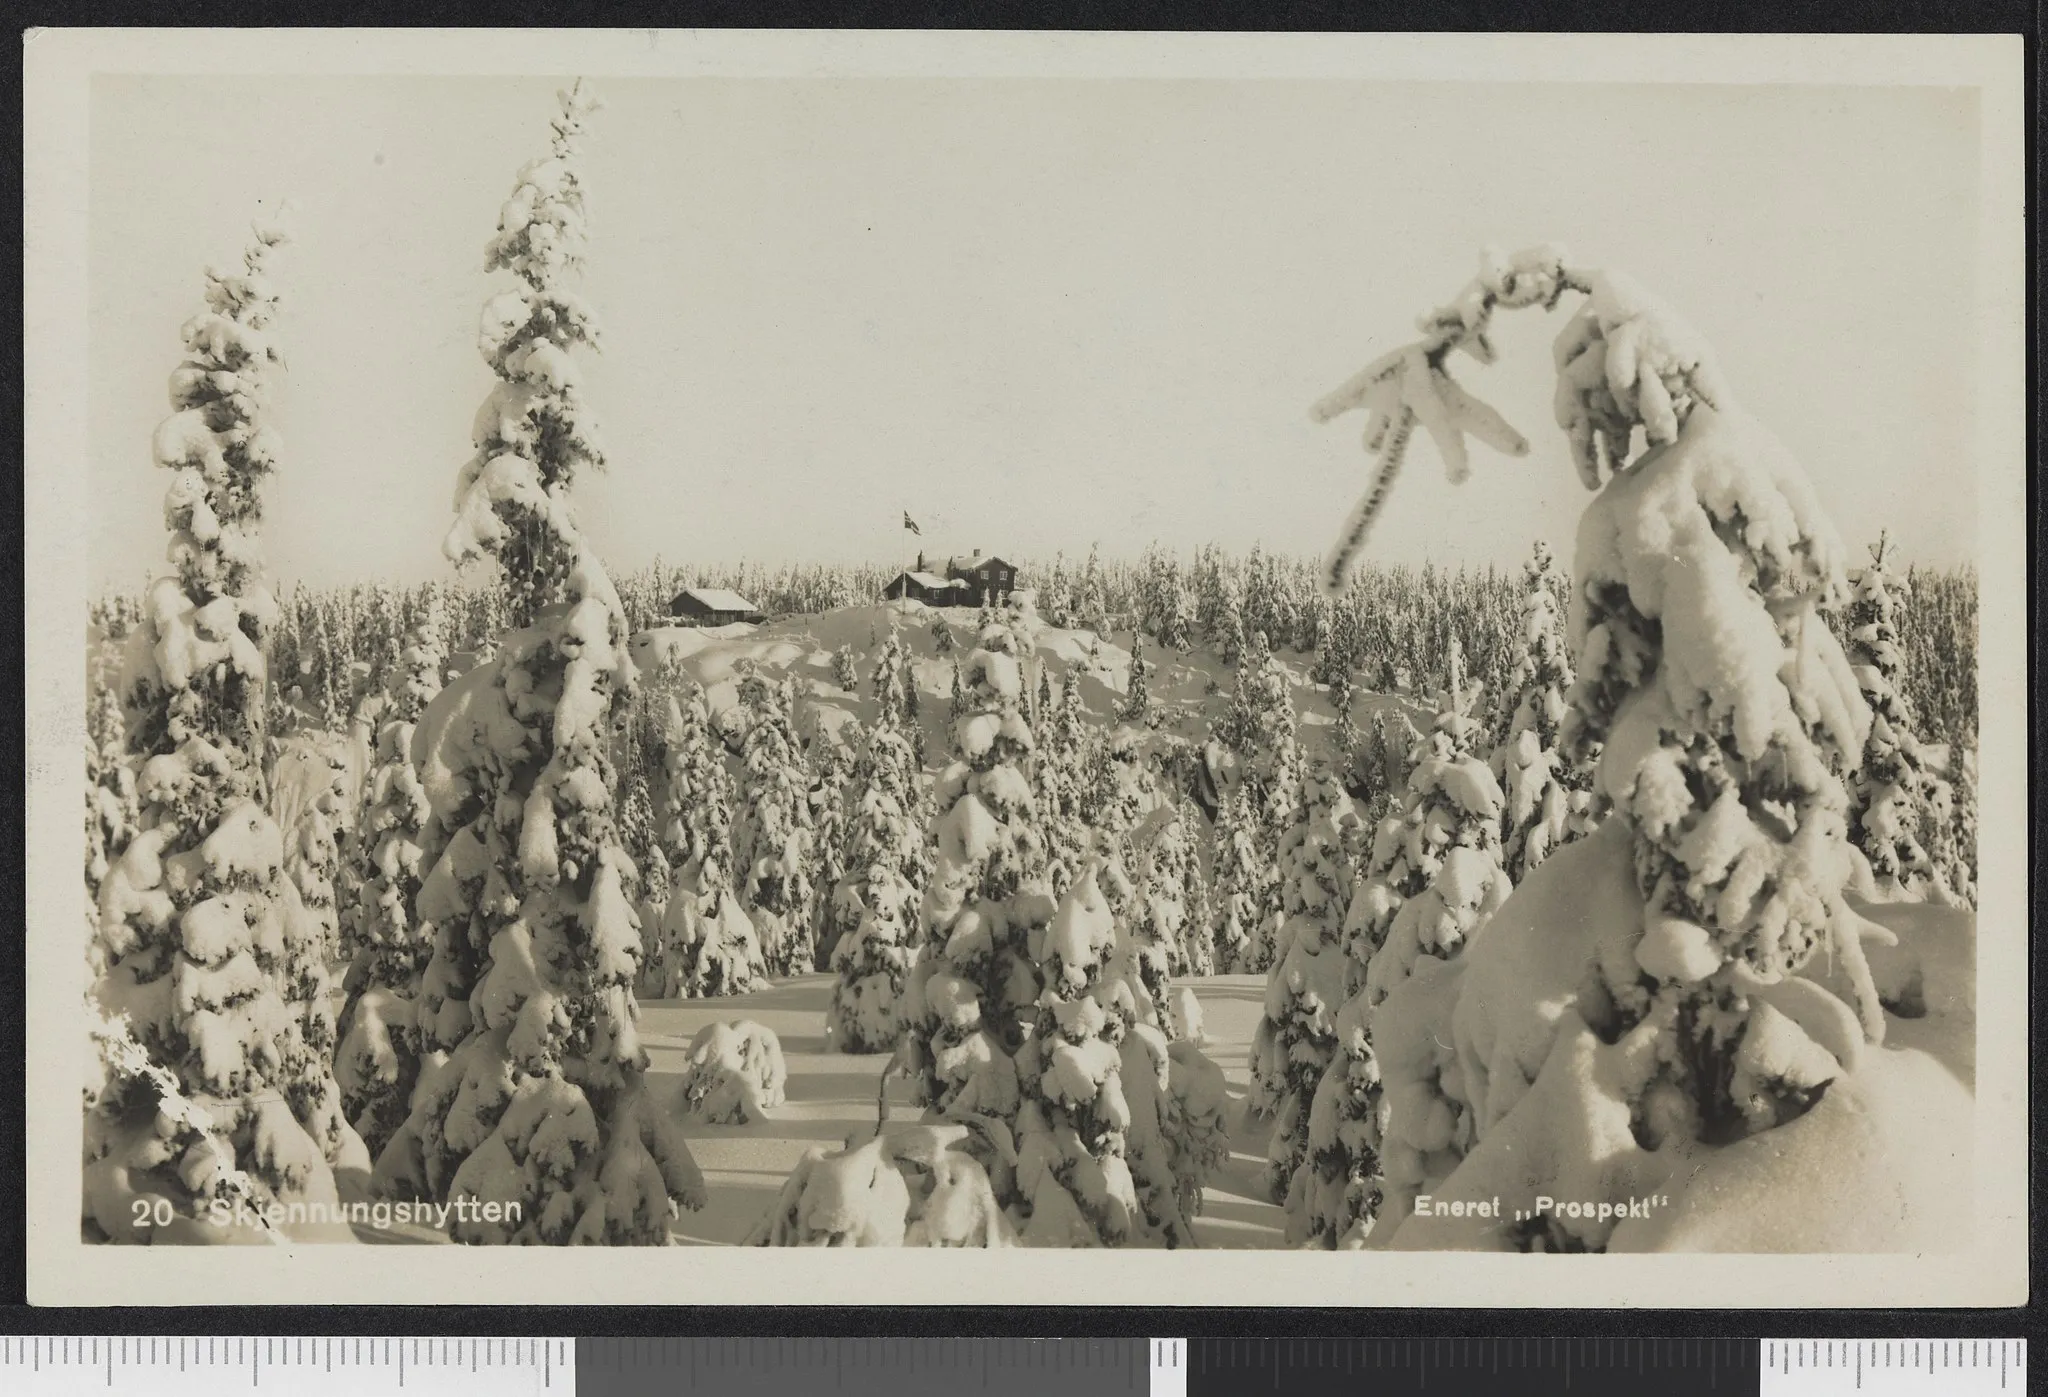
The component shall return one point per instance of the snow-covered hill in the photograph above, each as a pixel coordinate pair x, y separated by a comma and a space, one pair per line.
1189, 692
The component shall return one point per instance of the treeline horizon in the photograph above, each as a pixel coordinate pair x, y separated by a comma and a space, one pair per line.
1389, 626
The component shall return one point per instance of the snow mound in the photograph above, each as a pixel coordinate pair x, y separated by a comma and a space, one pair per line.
1523, 1103
736, 1074
917, 1187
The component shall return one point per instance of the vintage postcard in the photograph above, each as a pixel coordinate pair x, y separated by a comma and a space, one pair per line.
1193, 669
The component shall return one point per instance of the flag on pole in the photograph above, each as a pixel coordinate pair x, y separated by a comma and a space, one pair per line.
911, 524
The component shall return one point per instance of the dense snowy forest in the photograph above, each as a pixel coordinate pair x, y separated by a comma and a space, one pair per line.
1175, 898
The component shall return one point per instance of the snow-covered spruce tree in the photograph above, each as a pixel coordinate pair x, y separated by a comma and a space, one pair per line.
1955, 835
1345, 737
1122, 799
326, 695
1724, 705
893, 687
1060, 785
1243, 880
895, 690
1119, 790
355, 760
378, 1061
640, 836
843, 672
113, 810
1072, 1170
1549, 800
1337, 653
1312, 621
1226, 628
1894, 792
1091, 602
1260, 730
537, 1098
1433, 878
1258, 595
1296, 1037
217, 1034
973, 994
1385, 758
874, 924
1119, 1128
1284, 617
1198, 936
831, 764
913, 716
1435, 868
772, 839
1177, 618
1137, 702
309, 801
708, 945
1167, 869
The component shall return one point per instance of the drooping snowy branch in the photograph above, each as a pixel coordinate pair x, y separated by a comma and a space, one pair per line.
1625, 362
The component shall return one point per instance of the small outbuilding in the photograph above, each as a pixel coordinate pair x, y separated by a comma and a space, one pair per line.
713, 606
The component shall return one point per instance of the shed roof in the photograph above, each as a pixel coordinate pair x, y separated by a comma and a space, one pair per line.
932, 580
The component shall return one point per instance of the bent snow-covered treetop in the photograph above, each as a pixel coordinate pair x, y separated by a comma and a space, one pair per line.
1625, 360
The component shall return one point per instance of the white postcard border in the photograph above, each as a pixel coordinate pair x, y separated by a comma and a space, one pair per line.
58, 68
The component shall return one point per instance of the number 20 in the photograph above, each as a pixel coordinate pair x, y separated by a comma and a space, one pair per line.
151, 1212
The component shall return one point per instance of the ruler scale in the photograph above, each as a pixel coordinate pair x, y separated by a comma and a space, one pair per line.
184, 1366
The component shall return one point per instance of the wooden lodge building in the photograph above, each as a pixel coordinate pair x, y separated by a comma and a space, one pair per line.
970, 581
713, 606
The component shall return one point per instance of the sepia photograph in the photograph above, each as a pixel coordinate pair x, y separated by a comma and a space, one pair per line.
1137, 645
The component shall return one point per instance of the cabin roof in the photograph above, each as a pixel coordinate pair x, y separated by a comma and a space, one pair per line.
716, 599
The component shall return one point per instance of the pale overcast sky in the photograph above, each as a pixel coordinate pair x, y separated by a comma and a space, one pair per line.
1037, 314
